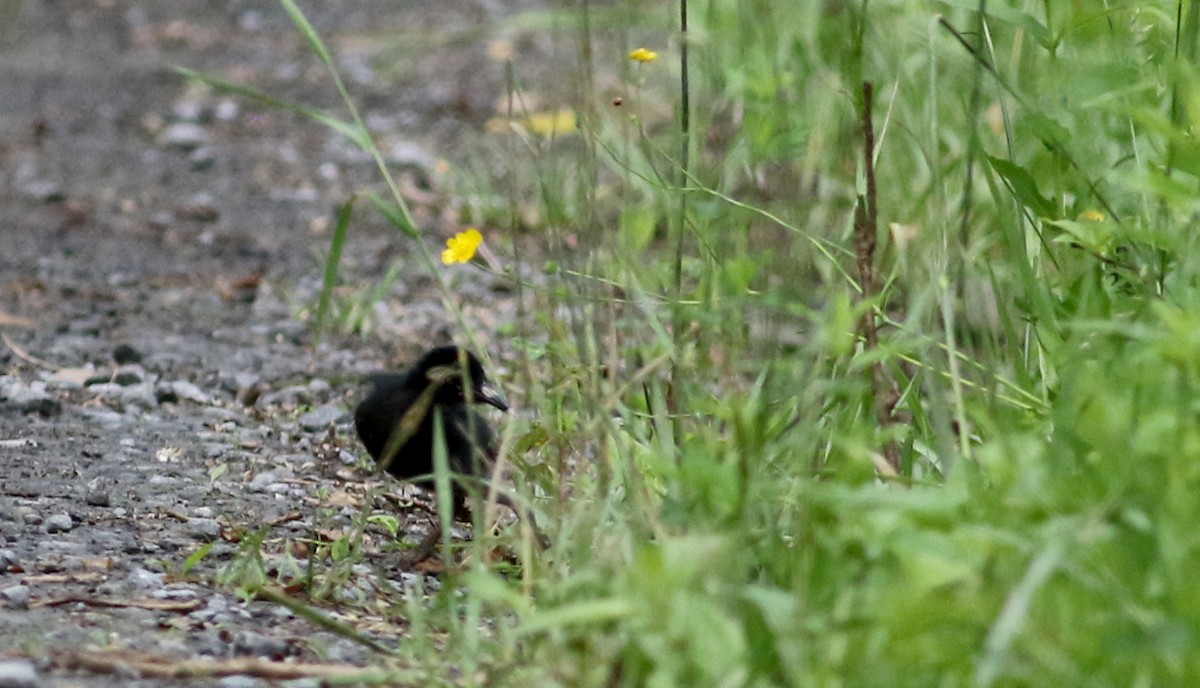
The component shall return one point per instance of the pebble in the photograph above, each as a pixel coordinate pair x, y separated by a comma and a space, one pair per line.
31, 398
202, 158
7, 559
18, 673
216, 605
227, 110
102, 416
288, 396
260, 482
124, 354
186, 136
258, 644
99, 492
17, 596
188, 391
322, 417
143, 578
204, 527
129, 374
139, 395
59, 523
43, 190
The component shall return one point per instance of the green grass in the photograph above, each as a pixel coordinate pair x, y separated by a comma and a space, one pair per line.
716, 505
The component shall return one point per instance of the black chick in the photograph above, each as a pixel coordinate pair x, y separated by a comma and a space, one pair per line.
396, 420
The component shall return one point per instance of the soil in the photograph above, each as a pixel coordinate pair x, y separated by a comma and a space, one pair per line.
161, 249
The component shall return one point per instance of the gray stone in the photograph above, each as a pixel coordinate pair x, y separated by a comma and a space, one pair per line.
59, 523
129, 374
98, 492
186, 136
18, 673
17, 596
204, 527
43, 190
202, 158
258, 644
32, 398
322, 417
145, 579
188, 391
139, 395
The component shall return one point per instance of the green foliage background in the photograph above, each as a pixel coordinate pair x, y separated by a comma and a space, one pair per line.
704, 442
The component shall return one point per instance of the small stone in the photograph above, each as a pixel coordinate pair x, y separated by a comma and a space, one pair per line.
44, 190
202, 158
124, 354
165, 393
102, 416
145, 579
260, 482
31, 398
140, 395
18, 673
186, 136
258, 644
204, 528
227, 110
322, 417
17, 596
239, 681
59, 523
216, 450
8, 559
129, 374
98, 492
188, 391
215, 605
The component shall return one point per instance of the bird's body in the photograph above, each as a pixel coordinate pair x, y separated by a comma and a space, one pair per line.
397, 420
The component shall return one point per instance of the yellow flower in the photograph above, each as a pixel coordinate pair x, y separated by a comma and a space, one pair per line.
1092, 216
643, 55
460, 248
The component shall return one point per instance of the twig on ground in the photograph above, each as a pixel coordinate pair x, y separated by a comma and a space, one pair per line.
150, 666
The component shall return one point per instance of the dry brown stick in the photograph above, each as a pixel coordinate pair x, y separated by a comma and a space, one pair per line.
25, 355
885, 390
150, 666
153, 605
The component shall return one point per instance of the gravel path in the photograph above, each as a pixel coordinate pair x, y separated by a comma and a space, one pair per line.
158, 395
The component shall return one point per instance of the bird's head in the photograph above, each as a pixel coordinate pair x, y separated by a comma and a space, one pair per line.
446, 367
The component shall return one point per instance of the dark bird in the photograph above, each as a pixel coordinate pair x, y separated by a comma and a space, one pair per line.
396, 421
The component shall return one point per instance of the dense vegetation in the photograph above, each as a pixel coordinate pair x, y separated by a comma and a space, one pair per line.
770, 453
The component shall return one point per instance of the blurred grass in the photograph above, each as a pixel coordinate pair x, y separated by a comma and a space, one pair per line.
1039, 183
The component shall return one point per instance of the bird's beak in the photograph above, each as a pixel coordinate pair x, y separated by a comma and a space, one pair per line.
488, 394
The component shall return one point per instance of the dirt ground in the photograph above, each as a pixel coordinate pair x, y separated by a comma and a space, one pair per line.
159, 247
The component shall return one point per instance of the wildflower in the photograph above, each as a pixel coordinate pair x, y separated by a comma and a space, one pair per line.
643, 55
1092, 216
460, 248
552, 123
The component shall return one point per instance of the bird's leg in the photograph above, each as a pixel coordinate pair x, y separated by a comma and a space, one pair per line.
428, 544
